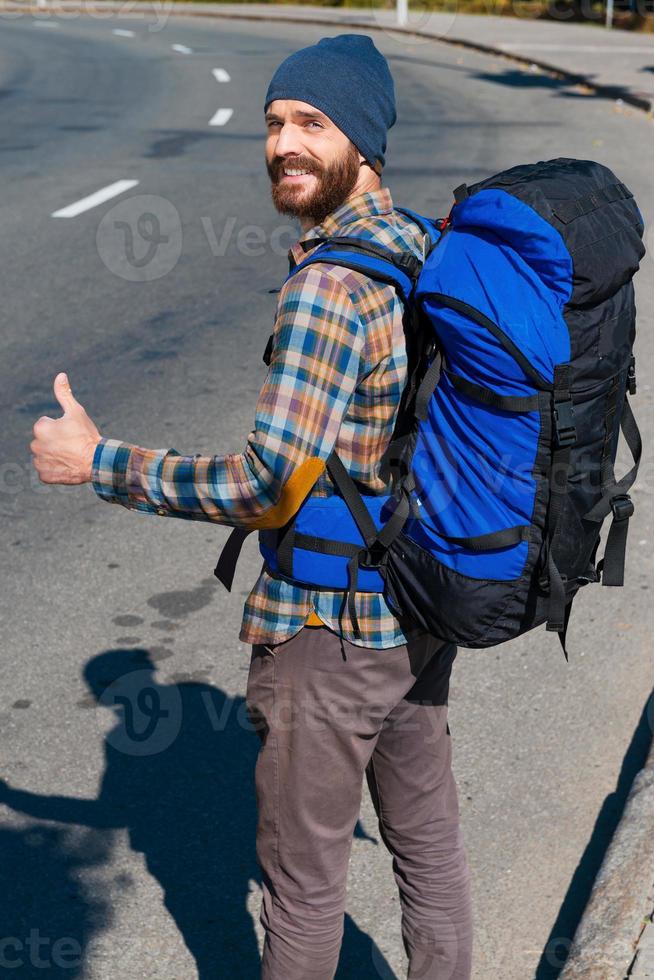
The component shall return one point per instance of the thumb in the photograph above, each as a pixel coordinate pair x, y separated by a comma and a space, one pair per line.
63, 393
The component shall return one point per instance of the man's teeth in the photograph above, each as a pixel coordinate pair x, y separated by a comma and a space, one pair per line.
295, 173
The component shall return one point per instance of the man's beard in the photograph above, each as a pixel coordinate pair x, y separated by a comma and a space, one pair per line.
333, 186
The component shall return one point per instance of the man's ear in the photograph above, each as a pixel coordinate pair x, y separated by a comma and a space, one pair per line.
364, 163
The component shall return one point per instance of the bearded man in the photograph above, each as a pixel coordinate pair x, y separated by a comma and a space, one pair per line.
330, 703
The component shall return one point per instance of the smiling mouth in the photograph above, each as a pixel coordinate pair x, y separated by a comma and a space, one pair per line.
295, 177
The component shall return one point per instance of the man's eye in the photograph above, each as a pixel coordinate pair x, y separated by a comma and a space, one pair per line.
312, 122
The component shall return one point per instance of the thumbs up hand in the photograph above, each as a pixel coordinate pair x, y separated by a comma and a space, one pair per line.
63, 448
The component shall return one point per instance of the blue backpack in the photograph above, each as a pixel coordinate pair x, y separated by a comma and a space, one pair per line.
520, 326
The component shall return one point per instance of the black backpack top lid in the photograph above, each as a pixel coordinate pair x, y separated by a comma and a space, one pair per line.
595, 214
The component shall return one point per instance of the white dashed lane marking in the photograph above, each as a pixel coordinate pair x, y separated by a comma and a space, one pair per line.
181, 49
221, 117
119, 32
220, 75
99, 197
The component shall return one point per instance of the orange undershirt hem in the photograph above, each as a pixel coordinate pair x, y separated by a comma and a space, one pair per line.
314, 620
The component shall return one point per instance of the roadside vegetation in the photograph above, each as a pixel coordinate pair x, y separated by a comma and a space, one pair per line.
628, 14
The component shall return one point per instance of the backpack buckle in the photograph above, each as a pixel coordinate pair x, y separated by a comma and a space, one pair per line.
564, 421
373, 556
408, 262
622, 506
631, 376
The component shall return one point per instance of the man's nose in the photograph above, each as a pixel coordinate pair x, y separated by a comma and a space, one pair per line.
288, 142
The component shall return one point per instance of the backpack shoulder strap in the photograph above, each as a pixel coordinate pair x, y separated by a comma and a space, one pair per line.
398, 269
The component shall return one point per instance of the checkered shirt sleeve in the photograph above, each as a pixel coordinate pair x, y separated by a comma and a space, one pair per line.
316, 362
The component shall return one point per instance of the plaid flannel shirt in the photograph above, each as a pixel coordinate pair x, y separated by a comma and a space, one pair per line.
337, 371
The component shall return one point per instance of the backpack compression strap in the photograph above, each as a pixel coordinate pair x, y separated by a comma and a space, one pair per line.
615, 498
377, 542
565, 435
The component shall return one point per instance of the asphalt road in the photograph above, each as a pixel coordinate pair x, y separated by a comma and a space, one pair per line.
135, 857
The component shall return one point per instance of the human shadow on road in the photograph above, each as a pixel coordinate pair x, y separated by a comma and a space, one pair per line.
572, 908
48, 916
179, 776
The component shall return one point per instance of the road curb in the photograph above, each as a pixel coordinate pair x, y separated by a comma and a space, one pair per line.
616, 926
612, 92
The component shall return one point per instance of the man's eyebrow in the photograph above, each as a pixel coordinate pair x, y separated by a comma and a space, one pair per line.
297, 112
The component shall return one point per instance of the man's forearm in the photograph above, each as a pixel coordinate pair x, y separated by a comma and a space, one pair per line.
229, 489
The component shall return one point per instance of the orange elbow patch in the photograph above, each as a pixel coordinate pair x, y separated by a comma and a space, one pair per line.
295, 490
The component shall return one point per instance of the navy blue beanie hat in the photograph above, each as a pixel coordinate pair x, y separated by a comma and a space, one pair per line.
348, 79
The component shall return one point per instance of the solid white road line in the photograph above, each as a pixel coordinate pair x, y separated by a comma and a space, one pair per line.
221, 117
562, 48
181, 49
45, 23
105, 194
119, 32
220, 75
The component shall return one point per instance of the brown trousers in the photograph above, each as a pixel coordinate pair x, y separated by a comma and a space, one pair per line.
327, 712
